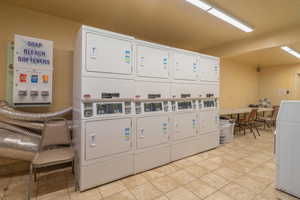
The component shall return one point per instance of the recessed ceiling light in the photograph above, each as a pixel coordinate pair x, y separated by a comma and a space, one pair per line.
291, 51
200, 4
221, 15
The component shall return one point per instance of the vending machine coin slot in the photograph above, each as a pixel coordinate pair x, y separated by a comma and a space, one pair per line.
22, 93
34, 93
45, 93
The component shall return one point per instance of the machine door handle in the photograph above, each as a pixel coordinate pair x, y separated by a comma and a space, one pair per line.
176, 127
194, 123
92, 140
165, 128
142, 135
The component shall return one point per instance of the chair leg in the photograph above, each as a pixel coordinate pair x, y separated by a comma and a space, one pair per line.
257, 130
251, 129
268, 124
73, 170
34, 174
29, 183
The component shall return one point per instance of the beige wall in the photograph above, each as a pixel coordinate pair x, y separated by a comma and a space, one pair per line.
62, 32
274, 80
239, 84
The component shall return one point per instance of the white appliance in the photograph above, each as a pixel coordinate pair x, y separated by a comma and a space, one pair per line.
152, 61
137, 105
185, 66
288, 148
152, 125
209, 68
184, 120
104, 133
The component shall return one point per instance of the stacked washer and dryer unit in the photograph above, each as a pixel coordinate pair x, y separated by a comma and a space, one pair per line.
139, 105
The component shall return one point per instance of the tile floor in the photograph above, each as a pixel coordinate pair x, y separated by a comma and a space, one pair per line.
242, 170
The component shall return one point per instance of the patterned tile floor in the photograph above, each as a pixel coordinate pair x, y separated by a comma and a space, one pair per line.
242, 170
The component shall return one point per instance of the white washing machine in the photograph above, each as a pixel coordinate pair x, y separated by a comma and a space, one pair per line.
105, 137
105, 54
152, 61
152, 125
185, 66
184, 120
208, 118
209, 68
184, 129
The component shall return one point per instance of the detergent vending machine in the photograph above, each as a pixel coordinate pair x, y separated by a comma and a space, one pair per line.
29, 72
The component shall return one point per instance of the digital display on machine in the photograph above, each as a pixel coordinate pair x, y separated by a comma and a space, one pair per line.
110, 95
185, 95
153, 96
153, 107
111, 108
184, 105
209, 104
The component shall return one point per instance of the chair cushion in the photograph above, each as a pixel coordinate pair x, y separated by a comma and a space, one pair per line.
53, 156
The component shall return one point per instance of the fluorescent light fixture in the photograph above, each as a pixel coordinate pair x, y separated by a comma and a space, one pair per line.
230, 20
220, 14
291, 51
200, 4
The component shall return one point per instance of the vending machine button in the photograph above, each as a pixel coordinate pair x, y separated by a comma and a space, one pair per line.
34, 78
23, 78
45, 78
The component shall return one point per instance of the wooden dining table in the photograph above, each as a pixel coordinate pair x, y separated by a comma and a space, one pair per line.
237, 111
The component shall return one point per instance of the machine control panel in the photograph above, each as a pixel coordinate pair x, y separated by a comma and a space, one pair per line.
210, 103
184, 105
94, 109
109, 108
153, 106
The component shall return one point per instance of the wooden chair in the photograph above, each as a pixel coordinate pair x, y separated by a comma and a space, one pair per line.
55, 147
269, 120
249, 122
